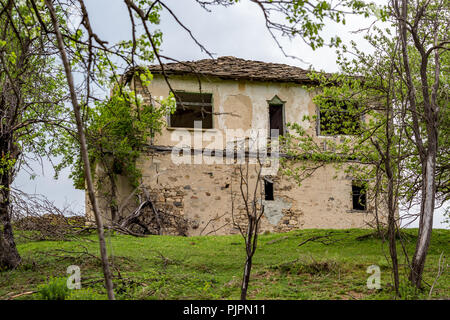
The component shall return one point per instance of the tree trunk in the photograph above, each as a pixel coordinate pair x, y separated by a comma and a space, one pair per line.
83, 149
246, 277
113, 207
9, 256
426, 220
390, 196
391, 234
250, 246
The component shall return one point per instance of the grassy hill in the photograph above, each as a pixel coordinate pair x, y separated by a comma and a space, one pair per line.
328, 264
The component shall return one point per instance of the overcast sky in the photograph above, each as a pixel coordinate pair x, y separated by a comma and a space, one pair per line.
234, 31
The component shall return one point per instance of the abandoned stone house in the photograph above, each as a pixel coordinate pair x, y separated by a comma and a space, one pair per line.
239, 94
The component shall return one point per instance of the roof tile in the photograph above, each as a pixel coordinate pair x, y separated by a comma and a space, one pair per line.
235, 68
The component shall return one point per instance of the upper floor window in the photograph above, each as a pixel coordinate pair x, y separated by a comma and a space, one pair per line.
338, 118
276, 115
192, 107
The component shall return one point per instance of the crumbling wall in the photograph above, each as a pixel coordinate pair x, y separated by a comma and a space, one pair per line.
202, 195
199, 198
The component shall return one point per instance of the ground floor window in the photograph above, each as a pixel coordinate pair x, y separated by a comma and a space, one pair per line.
359, 196
268, 189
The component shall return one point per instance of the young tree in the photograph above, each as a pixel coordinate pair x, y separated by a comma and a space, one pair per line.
95, 60
364, 150
400, 132
250, 196
423, 30
31, 107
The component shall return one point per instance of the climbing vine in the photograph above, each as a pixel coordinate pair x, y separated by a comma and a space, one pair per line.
118, 129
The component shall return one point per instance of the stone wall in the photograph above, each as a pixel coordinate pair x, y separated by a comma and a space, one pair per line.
202, 195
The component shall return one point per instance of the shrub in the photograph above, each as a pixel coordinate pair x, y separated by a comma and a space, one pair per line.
55, 289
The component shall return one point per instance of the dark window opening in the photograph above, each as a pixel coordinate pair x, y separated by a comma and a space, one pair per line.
268, 190
276, 118
359, 196
192, 107
336, 118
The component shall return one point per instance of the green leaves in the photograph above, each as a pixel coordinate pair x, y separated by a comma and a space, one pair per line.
32, 89
371, 87
12, 57
6, 164
119, 128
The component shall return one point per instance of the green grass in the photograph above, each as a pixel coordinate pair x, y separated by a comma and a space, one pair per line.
210, 267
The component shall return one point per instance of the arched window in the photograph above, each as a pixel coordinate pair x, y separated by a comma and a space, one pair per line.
276, 115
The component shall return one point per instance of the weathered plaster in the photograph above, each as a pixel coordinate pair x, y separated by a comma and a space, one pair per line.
273, 209
201, 193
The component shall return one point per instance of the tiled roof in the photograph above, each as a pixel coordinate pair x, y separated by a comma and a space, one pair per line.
236, 69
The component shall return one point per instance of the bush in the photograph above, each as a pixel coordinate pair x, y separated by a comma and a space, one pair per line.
55, 289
